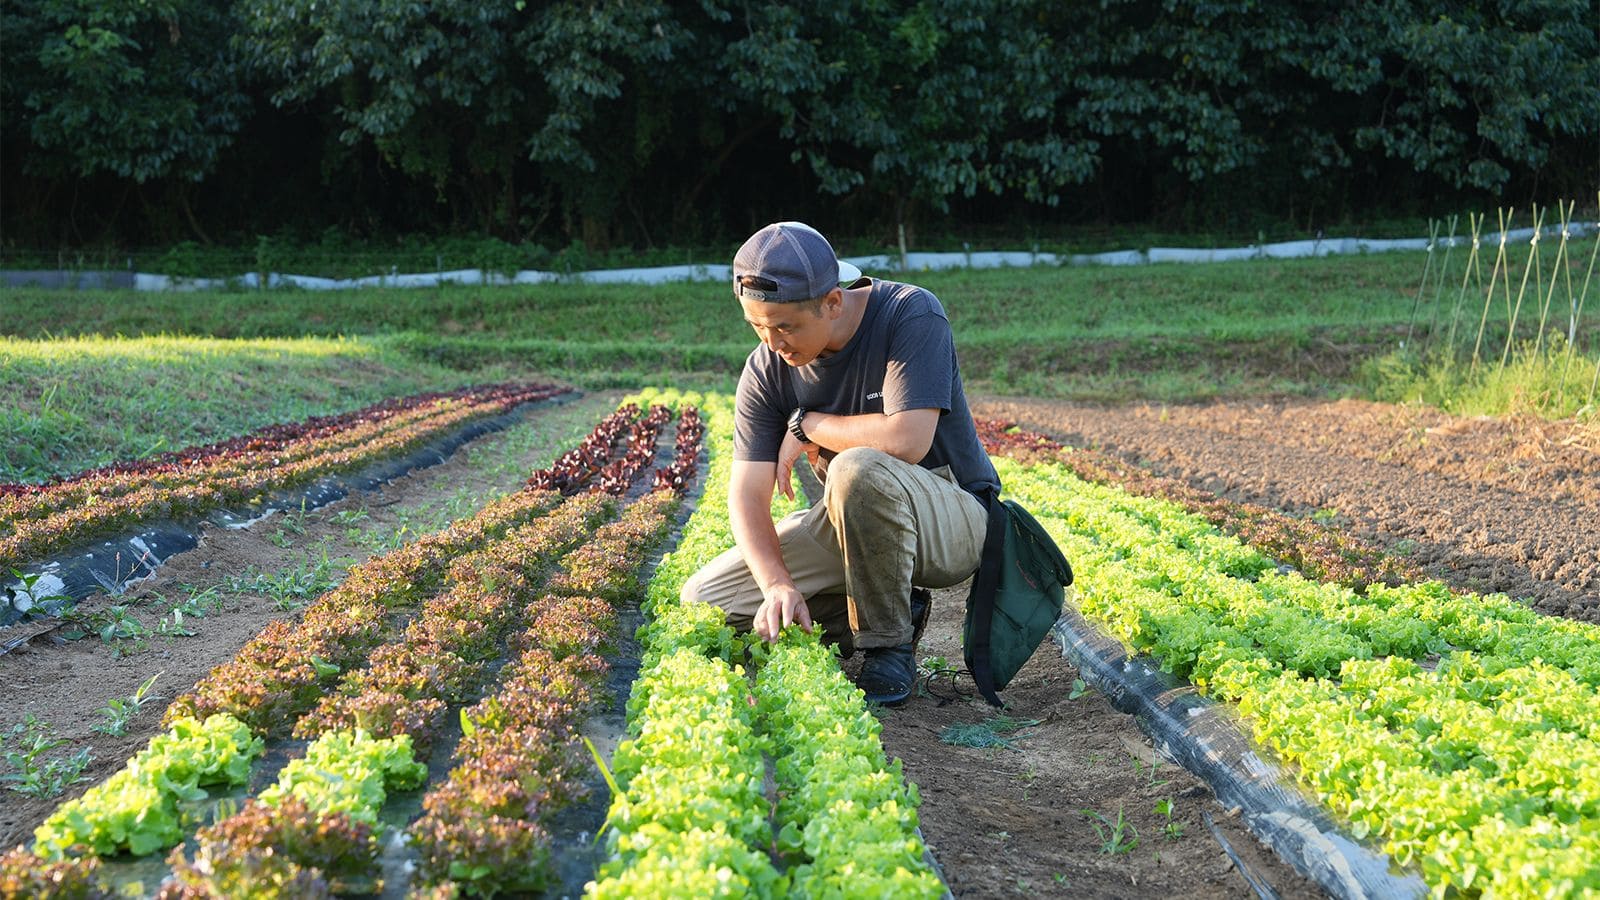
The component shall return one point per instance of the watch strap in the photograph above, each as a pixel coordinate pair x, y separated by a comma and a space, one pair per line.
796, 425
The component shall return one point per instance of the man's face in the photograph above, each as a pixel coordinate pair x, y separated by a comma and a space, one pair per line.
797, 332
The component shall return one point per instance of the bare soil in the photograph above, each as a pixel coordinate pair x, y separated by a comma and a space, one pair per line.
1484, 504
1036, 818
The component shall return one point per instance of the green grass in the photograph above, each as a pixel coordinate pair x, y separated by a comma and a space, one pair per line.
1168, 332
205, 365
75, 403
1547, 382
1228, 300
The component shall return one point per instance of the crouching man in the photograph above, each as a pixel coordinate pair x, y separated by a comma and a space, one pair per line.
859, 376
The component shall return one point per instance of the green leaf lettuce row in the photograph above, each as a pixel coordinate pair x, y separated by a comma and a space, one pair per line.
347, 772
136, 809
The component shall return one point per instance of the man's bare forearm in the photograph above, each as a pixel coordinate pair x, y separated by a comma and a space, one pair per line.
758, 542
750, 518
905, 435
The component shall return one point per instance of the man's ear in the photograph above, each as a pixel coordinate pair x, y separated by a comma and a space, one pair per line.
833, 304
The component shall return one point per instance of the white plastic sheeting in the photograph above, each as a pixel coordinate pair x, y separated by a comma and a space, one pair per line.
883, 263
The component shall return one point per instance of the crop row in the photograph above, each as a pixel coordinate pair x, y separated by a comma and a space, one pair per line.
312, 834
470, 835
35, 524
287, 666
279, 440
577, 468
1315, 550
447, 646
397, 692
1461, 731
690, 815
486, 829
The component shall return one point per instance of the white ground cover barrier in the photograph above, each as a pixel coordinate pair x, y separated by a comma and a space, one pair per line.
887, 264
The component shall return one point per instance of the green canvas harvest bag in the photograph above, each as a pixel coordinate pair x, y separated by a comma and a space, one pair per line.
1016, 596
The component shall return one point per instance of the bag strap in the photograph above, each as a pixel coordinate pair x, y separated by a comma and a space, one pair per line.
981, 600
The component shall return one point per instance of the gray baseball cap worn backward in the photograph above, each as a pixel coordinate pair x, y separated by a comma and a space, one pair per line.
795, 258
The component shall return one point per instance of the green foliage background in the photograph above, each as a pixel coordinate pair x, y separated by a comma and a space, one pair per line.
645, 123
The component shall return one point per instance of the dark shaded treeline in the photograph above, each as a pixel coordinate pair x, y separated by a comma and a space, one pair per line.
650, 123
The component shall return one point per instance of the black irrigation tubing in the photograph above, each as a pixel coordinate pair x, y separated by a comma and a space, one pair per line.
110, 565
1200, 735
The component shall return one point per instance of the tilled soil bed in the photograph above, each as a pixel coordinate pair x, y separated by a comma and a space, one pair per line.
1508, 505
1484, 504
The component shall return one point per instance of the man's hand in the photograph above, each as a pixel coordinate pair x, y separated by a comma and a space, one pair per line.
781, 607
788, 454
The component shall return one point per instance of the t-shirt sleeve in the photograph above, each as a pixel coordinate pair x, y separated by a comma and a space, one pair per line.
921, 364
758, 423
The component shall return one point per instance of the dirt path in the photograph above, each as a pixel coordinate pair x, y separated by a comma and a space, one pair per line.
1483, 504
1020, 820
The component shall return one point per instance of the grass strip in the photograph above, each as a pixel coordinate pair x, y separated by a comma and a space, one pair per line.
78, 403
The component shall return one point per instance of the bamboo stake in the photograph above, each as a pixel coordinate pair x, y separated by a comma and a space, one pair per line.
1499, 260
1565, 215
1533, 262
1573, 340
1575, 312
1474, 266
1438, 285
1433, 240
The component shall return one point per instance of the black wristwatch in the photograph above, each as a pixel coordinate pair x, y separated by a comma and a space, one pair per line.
796, 426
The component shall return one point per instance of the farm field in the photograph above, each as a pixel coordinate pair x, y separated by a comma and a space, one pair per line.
1062, 795
1027, 814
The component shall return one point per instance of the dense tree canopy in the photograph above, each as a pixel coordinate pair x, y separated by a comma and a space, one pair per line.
661, 121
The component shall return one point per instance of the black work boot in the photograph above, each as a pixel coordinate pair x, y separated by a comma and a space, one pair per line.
888, 674
921, 607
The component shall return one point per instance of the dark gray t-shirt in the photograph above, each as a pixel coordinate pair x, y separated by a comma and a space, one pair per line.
901, 357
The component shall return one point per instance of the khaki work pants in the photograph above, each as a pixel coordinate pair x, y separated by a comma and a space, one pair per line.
883, 525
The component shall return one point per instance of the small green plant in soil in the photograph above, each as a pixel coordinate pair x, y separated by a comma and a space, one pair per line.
32, 772
112, 624
1139, 768
1173, 830
1079, 688
30, 596
1115, 837
348, 517
291, 588
199, 604
119, 711
172, 626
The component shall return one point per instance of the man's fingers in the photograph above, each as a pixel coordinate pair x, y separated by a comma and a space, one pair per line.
786, 479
